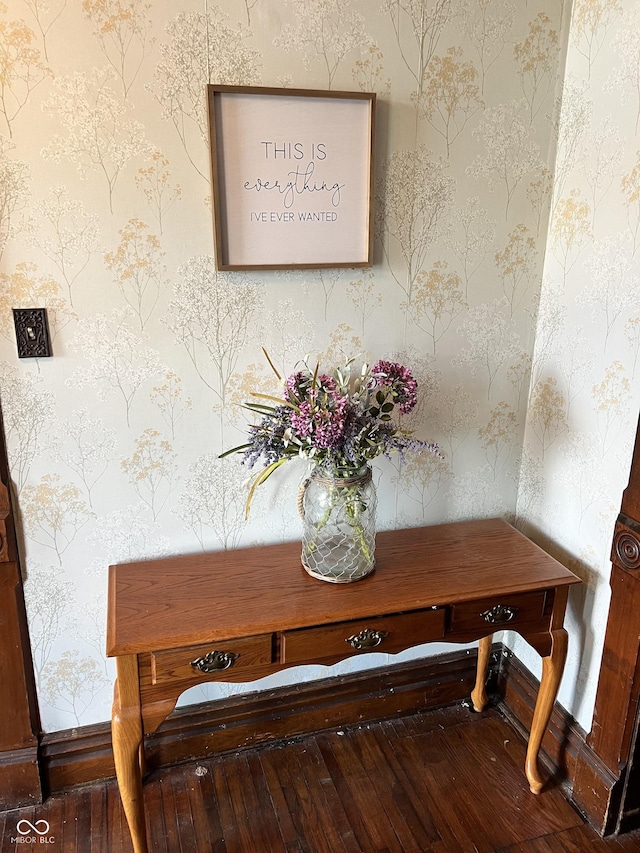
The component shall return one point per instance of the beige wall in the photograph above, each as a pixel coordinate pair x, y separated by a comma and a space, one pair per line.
105, 218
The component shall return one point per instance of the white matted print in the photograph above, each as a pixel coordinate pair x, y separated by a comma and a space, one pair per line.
292, 177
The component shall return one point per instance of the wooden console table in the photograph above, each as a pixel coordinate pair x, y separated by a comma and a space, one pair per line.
240, 615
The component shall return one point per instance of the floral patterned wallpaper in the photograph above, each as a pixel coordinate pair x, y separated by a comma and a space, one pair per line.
584, 396
506, 220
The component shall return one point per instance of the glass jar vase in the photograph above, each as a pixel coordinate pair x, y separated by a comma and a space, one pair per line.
338, 509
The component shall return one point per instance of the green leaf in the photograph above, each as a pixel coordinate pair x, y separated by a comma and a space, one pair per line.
259, 479
272, 364
278, 400
238, 449
259, 408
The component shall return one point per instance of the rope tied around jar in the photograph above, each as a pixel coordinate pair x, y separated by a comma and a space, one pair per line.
335, 482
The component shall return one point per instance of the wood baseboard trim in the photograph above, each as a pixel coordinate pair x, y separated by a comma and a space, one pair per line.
20, 777
597, 793
81, 756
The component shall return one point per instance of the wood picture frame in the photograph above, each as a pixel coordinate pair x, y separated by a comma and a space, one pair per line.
292, 177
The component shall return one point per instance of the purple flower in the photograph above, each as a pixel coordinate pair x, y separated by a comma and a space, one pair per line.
296, 386
323, 425
319, 419
403, 387
267, 439
327, 382
302, 421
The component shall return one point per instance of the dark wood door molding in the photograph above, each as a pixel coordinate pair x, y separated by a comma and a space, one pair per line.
19, 725
605, 785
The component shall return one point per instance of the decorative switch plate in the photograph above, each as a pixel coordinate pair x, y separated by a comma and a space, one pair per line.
32, 332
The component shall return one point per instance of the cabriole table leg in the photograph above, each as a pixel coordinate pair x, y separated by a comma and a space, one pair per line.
552, 669
479, 696
126, 732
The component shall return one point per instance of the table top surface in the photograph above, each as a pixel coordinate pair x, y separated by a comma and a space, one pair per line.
190, 599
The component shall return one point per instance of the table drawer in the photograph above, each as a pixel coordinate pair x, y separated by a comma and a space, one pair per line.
480, 618
215, 658
378, 634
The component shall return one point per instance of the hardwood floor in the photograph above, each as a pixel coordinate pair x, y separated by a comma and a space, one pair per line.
446, 781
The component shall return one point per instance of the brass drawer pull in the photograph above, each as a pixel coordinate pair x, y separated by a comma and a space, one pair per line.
499, 614
215, 661
366, 639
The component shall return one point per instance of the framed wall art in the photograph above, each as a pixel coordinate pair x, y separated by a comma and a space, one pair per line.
292, 176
